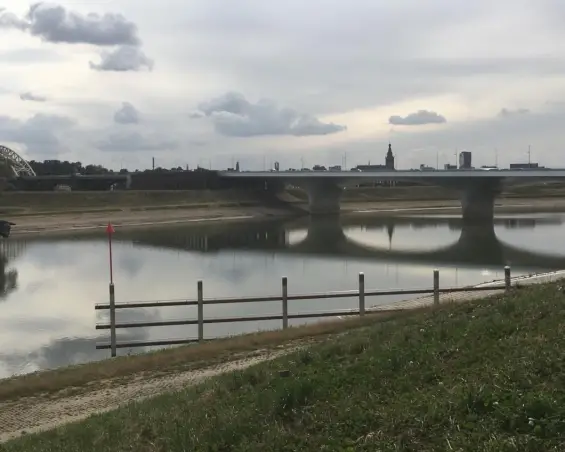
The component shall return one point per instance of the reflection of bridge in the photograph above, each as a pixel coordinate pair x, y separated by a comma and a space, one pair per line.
477, 244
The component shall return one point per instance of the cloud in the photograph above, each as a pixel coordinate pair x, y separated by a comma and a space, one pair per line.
128, 114
233, 115
419, 118
39, 134
358, 77
32, 97
506, 113
123, 59
133, 142
10, 20
53, 23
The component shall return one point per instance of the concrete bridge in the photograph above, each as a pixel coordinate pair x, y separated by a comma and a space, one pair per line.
477, 244
478, 188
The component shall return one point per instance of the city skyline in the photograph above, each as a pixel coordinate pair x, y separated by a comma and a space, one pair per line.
201, 84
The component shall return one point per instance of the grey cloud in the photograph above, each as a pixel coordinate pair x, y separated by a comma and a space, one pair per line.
39, 134
419, 118
198, 143
32, 97
128, 114
506, 113
122, 59
133, 142
10, 20
359, 65
53, 23
233, 115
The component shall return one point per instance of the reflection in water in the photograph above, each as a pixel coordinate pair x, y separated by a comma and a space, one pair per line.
476, 244
47, 321
8, 278
9, 250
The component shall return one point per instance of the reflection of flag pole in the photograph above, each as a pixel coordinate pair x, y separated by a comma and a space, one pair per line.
110, 231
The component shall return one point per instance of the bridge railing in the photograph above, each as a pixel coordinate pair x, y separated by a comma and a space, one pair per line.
361, 294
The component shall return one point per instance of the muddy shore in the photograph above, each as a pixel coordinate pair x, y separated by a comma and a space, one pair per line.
66, 222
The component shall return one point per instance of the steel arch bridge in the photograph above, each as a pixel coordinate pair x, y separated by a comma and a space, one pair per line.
18, 165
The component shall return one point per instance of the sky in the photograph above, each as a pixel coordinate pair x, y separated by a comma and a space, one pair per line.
210, 83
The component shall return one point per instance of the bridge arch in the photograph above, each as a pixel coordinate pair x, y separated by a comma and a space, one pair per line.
19, 166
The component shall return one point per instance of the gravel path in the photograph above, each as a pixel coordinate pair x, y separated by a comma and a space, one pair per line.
34, 414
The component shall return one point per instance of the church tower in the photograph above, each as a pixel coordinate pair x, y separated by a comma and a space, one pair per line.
389, 160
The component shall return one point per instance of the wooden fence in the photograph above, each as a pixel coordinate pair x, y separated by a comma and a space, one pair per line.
361, 294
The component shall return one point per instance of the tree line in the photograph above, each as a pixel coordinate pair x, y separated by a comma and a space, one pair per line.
64, 167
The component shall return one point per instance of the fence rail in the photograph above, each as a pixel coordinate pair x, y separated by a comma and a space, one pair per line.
361, 294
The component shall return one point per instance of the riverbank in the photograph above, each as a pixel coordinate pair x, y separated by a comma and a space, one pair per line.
46, 399
414, 381
77, 220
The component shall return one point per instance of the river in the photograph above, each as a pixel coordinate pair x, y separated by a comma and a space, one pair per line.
50, 284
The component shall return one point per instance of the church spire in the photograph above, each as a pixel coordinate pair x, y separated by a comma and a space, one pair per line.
389, 160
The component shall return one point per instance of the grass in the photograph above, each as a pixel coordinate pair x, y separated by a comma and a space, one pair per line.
482, 376
46, 202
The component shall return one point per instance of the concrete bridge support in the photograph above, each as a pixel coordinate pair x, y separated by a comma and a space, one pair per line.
323, 198
477, 201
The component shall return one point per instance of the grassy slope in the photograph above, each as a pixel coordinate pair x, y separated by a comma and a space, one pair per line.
24, 202
482, 376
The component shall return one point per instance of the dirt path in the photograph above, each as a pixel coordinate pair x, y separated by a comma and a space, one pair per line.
34, 414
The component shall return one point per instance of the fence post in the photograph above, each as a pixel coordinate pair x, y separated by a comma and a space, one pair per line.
507, 278
112, 321
285, 302
361, 294
200, 312
436, 287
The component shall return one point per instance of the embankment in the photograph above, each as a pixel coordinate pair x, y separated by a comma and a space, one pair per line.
48, 212
484, 375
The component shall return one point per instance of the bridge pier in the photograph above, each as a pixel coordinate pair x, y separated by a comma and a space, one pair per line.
477, 201
323, 198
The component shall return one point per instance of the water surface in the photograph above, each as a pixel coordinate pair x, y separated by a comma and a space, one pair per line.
49, 285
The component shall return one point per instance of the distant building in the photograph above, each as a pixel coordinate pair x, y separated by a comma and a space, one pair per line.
388, 166
426, 168
465, 160
449, 166
517, 166
389, 159
335, 168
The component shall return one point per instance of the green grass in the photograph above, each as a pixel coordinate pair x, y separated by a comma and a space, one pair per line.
481, 376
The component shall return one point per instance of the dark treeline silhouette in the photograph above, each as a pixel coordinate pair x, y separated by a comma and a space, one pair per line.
64, 167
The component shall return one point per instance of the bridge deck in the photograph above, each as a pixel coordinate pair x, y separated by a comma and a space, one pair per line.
400, 174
